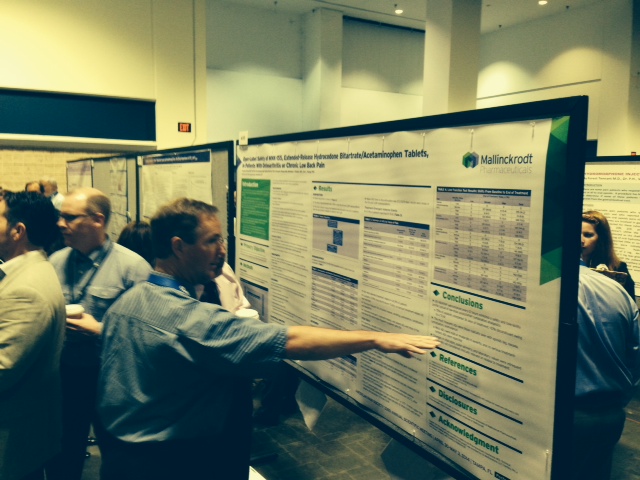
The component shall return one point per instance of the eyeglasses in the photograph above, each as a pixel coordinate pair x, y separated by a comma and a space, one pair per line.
71, 218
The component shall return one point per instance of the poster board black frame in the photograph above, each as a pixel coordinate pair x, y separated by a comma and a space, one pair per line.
569, 187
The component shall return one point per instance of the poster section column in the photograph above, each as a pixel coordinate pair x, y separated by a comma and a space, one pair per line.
118, 195
614, 190
416, 232
79, 174
167, 176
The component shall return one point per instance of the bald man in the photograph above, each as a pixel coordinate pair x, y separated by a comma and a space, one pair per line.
93, 272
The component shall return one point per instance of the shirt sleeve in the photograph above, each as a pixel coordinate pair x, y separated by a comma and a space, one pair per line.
226, 343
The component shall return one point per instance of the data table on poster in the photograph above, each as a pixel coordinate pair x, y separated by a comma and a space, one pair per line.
395, 255
481, 240
334, 294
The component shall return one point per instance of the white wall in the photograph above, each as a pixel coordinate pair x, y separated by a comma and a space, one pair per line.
142, 49
382, 58
260, 104
256, 72
381, 73
83, 47
257, 81
584, 51
369, 106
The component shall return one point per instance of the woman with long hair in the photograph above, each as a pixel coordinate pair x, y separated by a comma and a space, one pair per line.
597, 247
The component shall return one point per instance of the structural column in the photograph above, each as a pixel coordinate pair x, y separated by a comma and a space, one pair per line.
180, 65
322, 70
451, 56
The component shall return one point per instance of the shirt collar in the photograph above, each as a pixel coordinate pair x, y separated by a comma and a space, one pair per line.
9, 267
95, 254
184, 286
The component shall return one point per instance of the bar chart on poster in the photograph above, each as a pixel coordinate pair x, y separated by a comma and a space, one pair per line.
445, 231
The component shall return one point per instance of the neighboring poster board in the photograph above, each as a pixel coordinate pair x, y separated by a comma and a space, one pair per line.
137, 184
612, 187
168, 175
116, 178
79, 174
202, 172
118, 193
463, 226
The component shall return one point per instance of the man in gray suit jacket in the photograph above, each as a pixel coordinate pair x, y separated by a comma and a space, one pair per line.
32, 322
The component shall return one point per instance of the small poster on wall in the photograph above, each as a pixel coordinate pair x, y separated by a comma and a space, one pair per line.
173, 175
79, 174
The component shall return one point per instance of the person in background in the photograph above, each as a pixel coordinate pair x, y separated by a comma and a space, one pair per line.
229, 290
50, 186
597, 247
169, 415
34, 187
136, 236
32, 319
607, 372
58, 243
93, 272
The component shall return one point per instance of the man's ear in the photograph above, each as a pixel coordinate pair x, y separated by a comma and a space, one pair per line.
99, 218
18, 231
177, 246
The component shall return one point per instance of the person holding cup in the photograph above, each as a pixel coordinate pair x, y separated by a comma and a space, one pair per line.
93, 272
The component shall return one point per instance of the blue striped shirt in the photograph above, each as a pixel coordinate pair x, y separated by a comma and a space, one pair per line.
169, 363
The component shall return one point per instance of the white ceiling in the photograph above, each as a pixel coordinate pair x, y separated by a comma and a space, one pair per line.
495, 13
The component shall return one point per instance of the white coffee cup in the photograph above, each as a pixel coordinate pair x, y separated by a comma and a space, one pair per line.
74, 310
248, 313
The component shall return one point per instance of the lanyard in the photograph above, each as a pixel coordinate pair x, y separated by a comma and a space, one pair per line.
166, 282
94, 269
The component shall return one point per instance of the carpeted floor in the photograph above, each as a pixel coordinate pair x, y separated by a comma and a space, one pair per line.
343, 446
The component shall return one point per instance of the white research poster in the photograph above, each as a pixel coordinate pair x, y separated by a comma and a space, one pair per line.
79, 174
613, 188
432, 232
168, 176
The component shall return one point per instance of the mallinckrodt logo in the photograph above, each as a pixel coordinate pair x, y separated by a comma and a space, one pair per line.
470, 160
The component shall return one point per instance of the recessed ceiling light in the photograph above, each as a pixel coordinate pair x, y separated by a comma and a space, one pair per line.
398, 10
542, 2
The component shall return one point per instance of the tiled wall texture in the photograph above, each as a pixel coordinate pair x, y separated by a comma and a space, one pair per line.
19, 166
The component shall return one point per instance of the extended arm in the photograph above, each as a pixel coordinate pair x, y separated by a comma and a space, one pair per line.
312, 343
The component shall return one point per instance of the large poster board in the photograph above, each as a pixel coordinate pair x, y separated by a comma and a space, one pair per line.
169, 175
457, 226
118, 193
79, 174
202, 172
613, 188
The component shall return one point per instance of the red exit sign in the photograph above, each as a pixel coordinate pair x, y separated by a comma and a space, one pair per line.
184, 127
